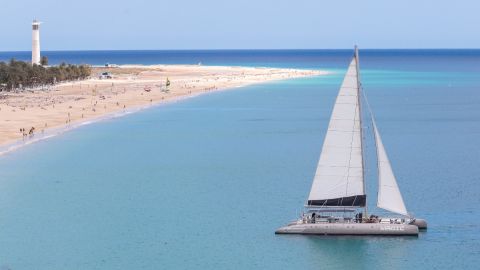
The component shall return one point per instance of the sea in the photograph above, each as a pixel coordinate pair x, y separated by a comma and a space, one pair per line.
203, 183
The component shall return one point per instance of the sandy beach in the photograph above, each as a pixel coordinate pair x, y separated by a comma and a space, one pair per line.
131, 86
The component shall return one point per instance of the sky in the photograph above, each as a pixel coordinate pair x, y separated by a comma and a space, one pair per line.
240, 24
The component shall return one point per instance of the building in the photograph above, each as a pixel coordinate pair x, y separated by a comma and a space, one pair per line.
35, 42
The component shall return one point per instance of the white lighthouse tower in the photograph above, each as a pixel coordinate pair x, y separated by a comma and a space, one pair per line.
35, 42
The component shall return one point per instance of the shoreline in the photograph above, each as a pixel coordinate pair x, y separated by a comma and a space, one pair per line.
134, 100
11, 146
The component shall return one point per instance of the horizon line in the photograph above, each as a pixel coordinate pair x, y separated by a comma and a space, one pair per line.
250, 49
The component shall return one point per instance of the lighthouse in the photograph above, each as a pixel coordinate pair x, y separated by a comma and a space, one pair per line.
35, 42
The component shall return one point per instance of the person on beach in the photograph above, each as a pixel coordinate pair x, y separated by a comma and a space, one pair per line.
31, 132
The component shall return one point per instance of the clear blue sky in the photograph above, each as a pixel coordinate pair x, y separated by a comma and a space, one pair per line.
240, 24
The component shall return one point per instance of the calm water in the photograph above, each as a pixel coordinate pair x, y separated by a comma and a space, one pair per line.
203, 183
407, 60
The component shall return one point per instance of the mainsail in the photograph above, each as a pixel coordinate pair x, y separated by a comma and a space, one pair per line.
389, 196
339, 179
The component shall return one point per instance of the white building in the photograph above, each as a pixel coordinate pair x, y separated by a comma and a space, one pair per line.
35, 42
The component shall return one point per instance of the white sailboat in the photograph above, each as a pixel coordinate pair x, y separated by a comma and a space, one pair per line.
337, 203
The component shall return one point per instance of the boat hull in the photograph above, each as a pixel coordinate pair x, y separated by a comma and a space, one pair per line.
350, 229
420, 223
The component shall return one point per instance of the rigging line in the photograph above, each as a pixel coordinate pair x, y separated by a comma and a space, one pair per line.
368, 105
375, 130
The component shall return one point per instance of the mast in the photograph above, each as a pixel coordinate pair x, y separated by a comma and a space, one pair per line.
359, 87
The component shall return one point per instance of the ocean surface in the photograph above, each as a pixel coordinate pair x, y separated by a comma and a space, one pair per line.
204, 182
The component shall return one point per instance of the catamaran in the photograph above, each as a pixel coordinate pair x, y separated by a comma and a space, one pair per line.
337, 203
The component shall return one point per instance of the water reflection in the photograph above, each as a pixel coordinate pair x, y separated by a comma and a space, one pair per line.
358, 252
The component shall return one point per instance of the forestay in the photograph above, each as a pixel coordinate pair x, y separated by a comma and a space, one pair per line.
389, 196
338, 180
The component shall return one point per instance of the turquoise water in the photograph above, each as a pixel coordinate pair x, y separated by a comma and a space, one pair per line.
204, 182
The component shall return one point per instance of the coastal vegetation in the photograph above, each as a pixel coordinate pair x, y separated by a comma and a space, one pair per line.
44, 61
21, 75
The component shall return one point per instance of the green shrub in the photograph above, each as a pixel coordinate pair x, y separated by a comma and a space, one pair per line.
20, 74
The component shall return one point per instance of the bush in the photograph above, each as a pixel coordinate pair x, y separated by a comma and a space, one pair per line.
44, 61
19, 74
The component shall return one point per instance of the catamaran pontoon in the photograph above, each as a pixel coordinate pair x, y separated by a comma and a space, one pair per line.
337, 204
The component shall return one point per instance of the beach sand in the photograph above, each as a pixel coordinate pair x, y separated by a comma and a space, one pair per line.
132, 86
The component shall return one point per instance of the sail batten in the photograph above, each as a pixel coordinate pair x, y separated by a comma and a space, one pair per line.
338, 180
389, 196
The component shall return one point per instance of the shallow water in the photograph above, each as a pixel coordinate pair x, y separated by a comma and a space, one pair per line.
203, 183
